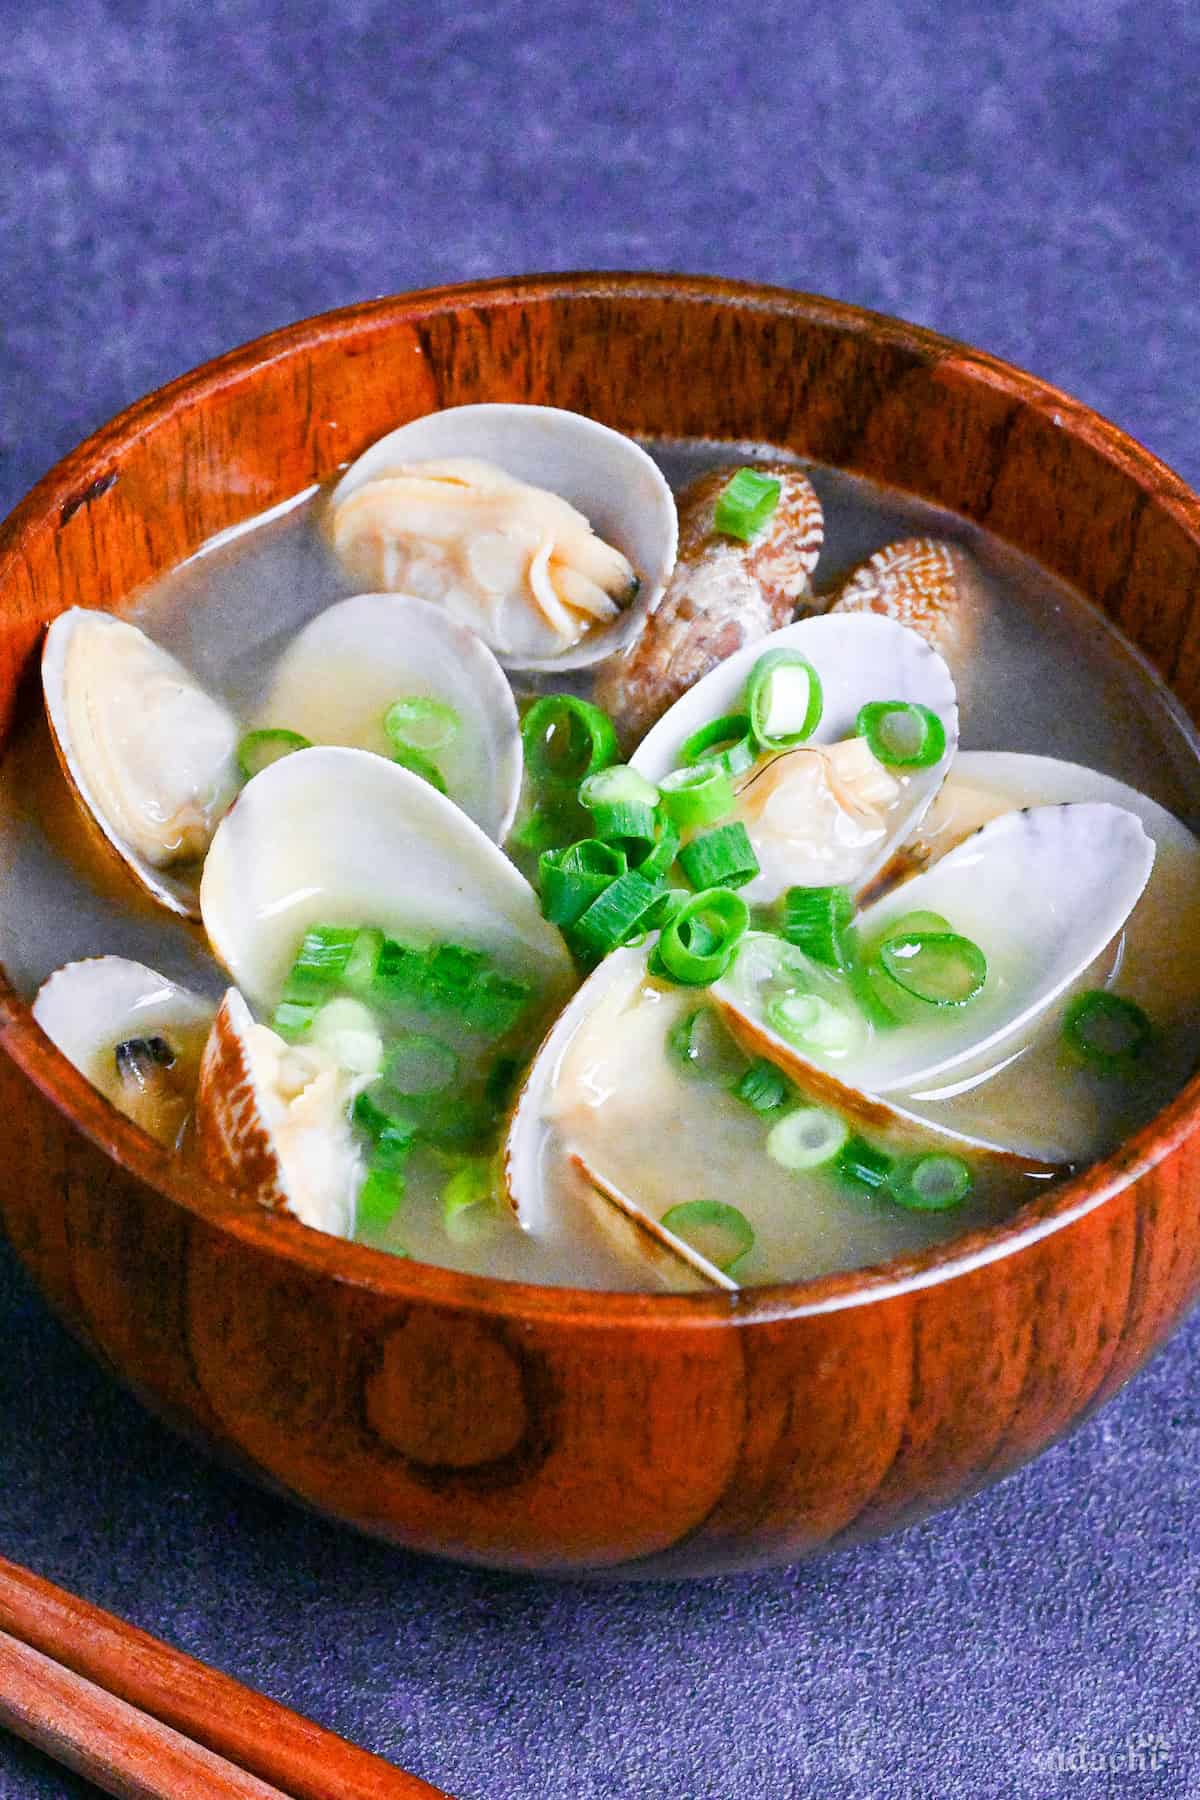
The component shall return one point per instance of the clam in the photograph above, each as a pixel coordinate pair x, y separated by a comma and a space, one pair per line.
338, 836
925, 583
135, 1035
826, 812
1041, 892
336, 680
149, 755
548, 534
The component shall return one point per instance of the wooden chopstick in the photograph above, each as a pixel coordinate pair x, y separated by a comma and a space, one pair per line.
145, 1722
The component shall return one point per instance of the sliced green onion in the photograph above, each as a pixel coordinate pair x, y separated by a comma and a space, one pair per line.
259, 749
400, 973
862, 1164
624, 820
652, 858
495, 1003
1106, 1031
571, 879
293, 1019
697, 794
723, 857
763, 1087
815, 919
719, 1232
701, 1046
421, 724
566, 739
912, 922
745, 504
813, 1022
419, 1064
940, 968
549, 826
666, 907
902, 734
417, 763
392, 1134
728, 740
348, 1031
471, 1183
784, 699
321, 959
378, 1198
807, 1138
362, 963
611, 918
619, 785
501, 1077
930, 1183
697, 946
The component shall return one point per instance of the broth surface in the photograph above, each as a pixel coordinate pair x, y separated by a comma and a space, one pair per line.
1047, 676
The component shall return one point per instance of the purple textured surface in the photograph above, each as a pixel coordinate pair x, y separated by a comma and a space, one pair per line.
175, 179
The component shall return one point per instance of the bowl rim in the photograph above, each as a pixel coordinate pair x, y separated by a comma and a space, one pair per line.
82, 474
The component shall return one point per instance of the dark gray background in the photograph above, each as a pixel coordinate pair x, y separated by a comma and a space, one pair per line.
176, 177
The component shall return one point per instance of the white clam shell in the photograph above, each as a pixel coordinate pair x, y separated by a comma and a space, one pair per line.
146, 751
1041, 891
339, 836
607, 477
859, 658
88, 1007
290, 1151
337, 678
633, 1234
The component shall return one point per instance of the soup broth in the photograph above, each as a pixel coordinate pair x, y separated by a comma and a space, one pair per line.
1045, 677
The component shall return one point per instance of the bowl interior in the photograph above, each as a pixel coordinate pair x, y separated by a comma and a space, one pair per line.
661, 357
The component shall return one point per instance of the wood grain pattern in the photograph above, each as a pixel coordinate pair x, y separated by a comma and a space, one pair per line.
539, 1428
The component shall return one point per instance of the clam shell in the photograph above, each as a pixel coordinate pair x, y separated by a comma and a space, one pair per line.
925, 583
337, 678
1041, 891
88, 1007
339, 836
124, 716
607, 477
858, 659
634, 1234
293, 1155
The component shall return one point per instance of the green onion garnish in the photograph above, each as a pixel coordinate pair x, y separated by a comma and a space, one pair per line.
784, 699
763, 1087
378, 1198
666, 907
392, 1134
418, 1064
421, 724
571, 879
723, 857
862, 1164
293, 1019
745, 504
321, 960
1106, 1031
471, 1183
613, 916
697, 946
417, 763
719, 1232
728, 740
930, 1183
652, 858
259, 749
363, 961
816, 919
618, 786
702, 1047
548, 826
812, 1022
495, 1003
902, 734
940, 968
697, 794
807, 1138
566, 739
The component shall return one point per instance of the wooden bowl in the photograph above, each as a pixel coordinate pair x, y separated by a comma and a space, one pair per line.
554, 1429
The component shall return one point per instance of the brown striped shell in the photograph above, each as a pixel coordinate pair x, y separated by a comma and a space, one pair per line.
924, 583
723, 594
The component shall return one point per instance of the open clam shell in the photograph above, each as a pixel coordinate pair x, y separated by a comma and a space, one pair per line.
633, 1234
605, 477
272, 1122
341, 837
135, 1035
858, 659
147, 752
337, 678
1041, 892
